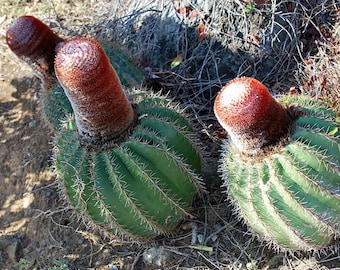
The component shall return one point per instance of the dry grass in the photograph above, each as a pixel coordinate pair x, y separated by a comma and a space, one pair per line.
319, 74
268, 42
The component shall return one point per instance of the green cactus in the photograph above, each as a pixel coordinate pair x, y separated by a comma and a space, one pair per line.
289, 192
55, 104
145, 185
142, 182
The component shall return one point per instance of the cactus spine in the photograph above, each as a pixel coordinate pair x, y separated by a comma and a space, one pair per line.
286, 186
133, 170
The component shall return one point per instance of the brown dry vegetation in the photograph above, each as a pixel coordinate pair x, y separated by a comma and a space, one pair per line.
289, 45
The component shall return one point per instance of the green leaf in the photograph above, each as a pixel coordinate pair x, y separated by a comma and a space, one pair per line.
177, 61
249, 8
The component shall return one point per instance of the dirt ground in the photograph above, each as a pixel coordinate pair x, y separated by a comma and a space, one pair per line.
37, 229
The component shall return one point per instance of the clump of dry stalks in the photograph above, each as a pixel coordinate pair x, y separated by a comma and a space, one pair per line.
271, 41
319, 74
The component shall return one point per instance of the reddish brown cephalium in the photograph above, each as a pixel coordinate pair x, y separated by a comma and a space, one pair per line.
102, 111
36, 44
251, 116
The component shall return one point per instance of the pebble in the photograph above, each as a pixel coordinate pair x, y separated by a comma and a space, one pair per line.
32, 124
80, 241
12, 252
157, 256
30, 248
43, 243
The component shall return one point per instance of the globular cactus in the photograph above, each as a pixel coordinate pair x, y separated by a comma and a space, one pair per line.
36, 44
127, 162
281, 166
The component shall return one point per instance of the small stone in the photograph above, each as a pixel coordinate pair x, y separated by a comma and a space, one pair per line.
200, 238
28, 249
43, 243
5, 224
157, 256
80, 241
32, 124
251, 265
12, 252
19, 171
214, 238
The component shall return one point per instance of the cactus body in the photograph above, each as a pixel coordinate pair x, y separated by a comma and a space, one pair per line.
289, 193
145, 185
142, 180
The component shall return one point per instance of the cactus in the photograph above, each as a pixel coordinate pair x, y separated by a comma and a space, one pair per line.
56, 105
127, 162
36, 44
281, 166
